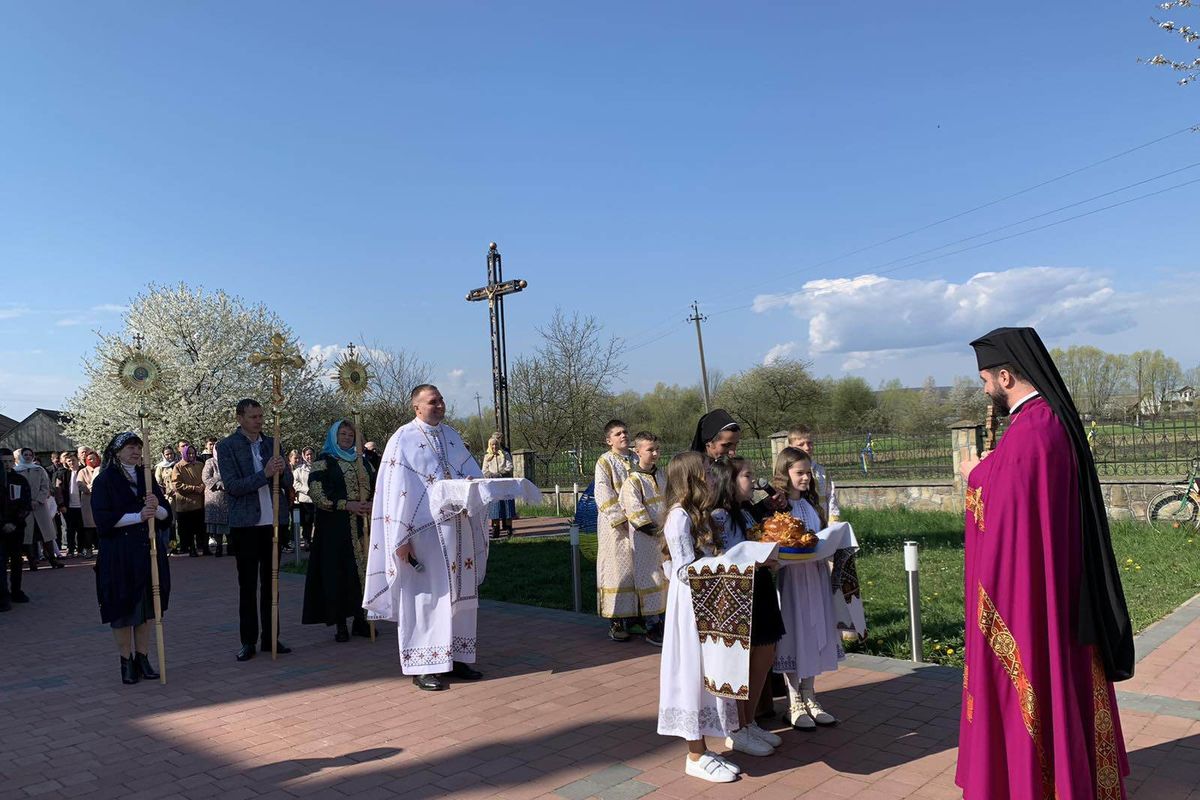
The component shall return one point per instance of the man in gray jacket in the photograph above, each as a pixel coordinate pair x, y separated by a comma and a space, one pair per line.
247, 469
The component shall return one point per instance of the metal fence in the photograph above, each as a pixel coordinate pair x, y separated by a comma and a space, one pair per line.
845, 456
1154, 448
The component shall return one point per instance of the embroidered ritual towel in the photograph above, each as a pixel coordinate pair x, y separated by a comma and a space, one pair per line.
722, 597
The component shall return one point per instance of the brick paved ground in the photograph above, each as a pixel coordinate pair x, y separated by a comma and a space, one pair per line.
564, 713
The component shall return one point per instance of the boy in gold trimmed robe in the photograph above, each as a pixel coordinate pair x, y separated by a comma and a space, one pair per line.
643, 497
616, 593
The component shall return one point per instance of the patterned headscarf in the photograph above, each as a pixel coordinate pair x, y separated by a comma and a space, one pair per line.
119, 441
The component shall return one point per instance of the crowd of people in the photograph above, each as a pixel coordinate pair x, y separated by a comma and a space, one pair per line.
682, 560
207, 503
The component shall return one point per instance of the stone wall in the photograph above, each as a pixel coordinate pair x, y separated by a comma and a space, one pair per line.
924, 496
1125, 498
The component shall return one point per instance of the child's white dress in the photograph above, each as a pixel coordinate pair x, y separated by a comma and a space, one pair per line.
812, 643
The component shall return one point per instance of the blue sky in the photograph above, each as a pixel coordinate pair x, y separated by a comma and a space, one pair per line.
348, 163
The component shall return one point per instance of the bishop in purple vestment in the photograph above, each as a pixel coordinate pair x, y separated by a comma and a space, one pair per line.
1047, 630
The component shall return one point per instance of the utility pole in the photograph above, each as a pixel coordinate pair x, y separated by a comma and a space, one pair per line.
479, 410
697, 318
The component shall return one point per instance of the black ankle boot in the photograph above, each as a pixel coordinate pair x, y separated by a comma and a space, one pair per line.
144, 668
342, 635
129, 672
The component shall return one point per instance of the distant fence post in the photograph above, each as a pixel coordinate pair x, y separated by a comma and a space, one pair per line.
524, 465
966, 437
778, 442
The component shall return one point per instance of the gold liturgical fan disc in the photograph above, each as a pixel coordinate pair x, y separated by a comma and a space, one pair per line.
139, 372
352, 376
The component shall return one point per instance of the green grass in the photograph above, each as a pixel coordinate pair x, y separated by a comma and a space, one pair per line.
546, 507
538, 572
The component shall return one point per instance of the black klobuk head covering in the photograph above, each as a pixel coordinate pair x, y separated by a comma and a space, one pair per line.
1103, 616
710, 426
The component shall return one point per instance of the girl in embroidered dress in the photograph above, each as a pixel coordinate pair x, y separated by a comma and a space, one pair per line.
685, 708
811, 644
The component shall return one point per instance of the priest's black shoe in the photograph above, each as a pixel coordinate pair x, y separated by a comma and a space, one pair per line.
342, 635
128, 671
429, 683
465, 672
280, 647
361, 628
143, 667
246, 653
19, 597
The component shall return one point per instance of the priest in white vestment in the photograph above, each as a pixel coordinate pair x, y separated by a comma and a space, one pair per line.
423, 572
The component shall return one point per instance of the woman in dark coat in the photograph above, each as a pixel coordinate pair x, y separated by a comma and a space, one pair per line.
121, 507
340, 485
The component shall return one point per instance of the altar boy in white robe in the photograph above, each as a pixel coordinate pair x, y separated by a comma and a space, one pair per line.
424, 573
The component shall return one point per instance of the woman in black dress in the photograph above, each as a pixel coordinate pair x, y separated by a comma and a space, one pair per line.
121, 506
340, 484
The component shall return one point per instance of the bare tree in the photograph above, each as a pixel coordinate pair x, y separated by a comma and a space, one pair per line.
559, 393
394, 374
1092, 376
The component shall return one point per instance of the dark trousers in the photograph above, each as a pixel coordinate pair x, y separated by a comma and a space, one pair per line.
74, 519
251, 548
191, 531
10, 567
58, 531
308, 515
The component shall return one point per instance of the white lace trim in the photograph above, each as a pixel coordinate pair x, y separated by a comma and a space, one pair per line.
691, 725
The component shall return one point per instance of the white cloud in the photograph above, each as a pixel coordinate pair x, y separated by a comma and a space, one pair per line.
871, 317
68, 322
782, 350
110, 308
455, 374
12, 312
326, 354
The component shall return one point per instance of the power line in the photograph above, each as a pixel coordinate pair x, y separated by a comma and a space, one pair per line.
1190, 128
1077, 203
876, 270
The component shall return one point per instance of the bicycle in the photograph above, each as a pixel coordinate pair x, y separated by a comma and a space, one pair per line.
1178, 506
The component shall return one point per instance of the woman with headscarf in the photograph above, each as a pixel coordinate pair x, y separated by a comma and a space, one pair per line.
185, 487
497, 463
340, 485
121, 505
216, 503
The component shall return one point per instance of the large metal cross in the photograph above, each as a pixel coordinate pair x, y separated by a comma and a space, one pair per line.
494, 293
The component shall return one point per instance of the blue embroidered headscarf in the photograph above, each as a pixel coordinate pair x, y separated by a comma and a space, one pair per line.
331, 444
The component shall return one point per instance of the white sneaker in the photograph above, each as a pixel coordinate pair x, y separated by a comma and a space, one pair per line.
725, 762
764, 735
746, 742
800, 720
708, 768
818, 714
